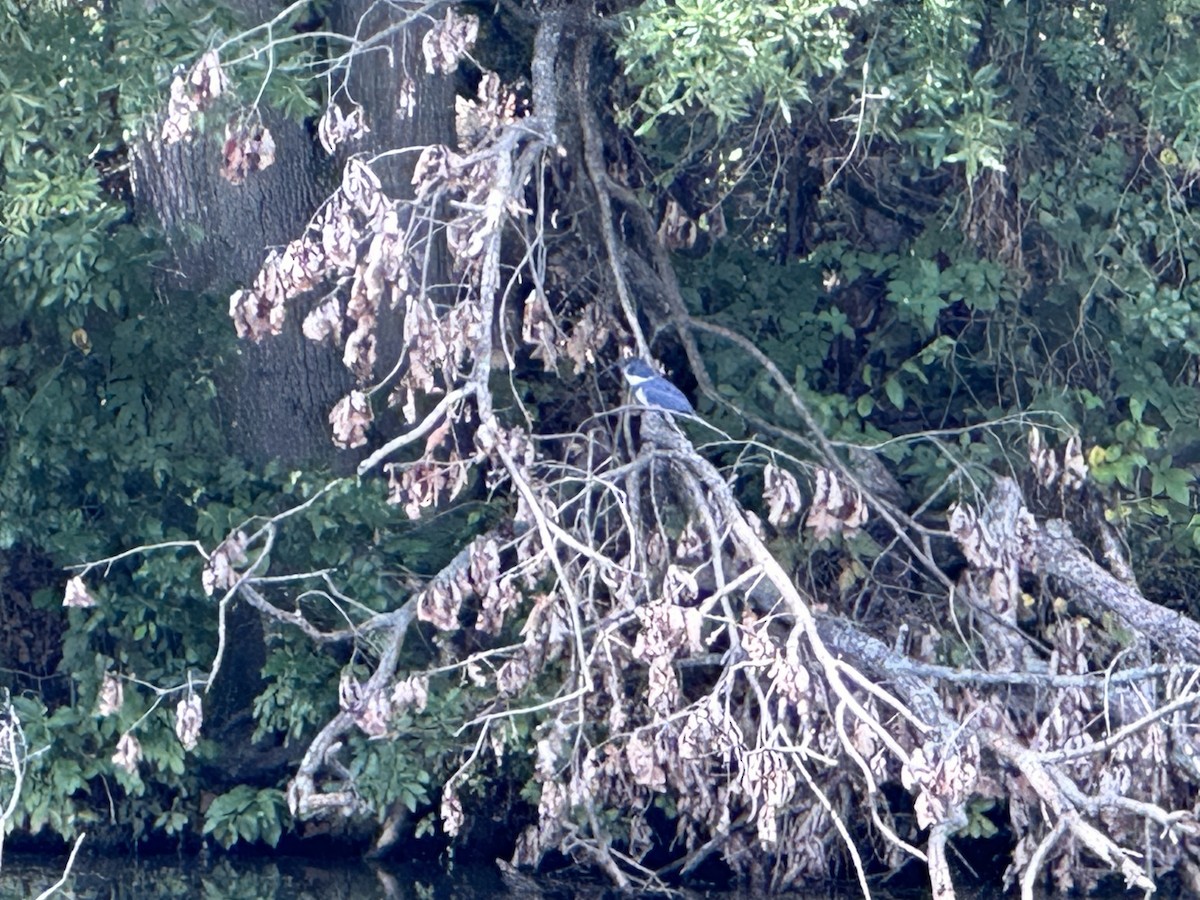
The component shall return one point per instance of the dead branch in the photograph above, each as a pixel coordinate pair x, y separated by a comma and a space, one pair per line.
1051, 549
1045, 781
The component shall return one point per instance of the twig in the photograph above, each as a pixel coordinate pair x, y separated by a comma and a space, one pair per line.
1042, 781
1038, 857
1122, 734
54, 888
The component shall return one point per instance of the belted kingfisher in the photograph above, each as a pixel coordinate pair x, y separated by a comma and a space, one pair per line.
651, 389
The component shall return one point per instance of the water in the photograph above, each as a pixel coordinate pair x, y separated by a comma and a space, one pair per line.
287, 878
297, 878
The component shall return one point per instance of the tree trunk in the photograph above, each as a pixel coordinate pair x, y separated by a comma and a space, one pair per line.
276, 397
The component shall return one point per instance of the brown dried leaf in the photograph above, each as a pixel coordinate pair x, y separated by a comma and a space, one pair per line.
1042, 458
789, 676
204, 83
433, 170
362, 188
1075, 469
207, 81
756, 641
516, 673
253, 316
678, 230
666, 629
439, 604
972, 537
219, 570
180, 109
483, 564
373, 718
77, 595
646, 771
248, 149
380, 266
189, 719
337, 127
350, 419
411, 692
696, 736
662, 694
834, 510
498, 601
371, 712
419, 487
112, 695
528, 852
782, 495
129, 753
448, 41
338, 235
590, 332
537, 327
452, 812
301, 266
324, 321
359, 353
479, 122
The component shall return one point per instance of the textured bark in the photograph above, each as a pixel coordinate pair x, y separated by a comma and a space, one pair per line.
275, 399
272, 398
372, 80
1052, 550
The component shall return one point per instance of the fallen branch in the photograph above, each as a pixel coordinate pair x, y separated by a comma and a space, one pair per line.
1051, 549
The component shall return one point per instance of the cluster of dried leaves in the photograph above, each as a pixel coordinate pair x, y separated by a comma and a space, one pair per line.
191, 94
189, 720
1068, 469
248, 146
368, 254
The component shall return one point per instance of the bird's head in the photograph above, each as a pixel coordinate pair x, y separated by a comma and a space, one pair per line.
638, 371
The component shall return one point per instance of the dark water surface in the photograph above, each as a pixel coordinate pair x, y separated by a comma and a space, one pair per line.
297, 878
293, 878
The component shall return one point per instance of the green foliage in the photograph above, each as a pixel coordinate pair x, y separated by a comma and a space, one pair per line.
979, 824
388, 772
62, 144
247, 814
105, 433
1011, 230
1004, 232
108, 437
727, 57
419, 754
296, 698
174, 34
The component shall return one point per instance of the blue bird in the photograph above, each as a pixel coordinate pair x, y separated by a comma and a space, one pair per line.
651, 389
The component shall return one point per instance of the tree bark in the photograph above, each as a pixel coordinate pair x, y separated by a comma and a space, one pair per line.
276, 396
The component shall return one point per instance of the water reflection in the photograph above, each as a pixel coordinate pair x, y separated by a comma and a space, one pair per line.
251, 879
293, 878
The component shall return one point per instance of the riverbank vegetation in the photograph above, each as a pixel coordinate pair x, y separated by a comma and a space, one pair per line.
326, 510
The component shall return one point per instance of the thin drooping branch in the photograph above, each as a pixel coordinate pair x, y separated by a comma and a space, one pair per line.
593, 155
